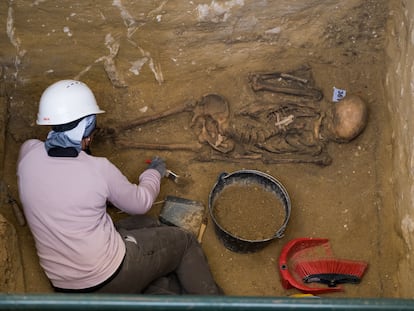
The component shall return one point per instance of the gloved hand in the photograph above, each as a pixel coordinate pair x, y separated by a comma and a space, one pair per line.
158, 164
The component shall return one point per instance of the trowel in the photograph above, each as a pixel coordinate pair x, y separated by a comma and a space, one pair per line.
168, 173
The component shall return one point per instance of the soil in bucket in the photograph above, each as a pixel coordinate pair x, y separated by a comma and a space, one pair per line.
249, 212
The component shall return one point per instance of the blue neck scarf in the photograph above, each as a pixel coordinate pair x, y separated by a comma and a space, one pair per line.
71, 138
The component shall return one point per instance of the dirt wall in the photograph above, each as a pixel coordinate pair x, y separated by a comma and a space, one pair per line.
400, 95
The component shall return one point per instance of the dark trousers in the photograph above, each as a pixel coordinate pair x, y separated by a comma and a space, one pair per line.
160, 259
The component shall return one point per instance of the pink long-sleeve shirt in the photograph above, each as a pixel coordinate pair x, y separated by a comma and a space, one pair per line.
64, 201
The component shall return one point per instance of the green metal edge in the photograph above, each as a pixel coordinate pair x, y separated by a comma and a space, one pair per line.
138, 302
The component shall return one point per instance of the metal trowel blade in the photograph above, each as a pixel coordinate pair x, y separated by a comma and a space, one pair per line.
172, 176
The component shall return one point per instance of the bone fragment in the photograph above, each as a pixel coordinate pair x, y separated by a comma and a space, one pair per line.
127, 143
185, 107
292, 77
235, 158
284, 122
322, 160
263, 86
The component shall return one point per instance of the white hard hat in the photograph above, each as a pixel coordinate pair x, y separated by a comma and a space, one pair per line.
66, 101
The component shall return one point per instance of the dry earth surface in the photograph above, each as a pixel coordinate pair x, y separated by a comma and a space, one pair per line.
180, 56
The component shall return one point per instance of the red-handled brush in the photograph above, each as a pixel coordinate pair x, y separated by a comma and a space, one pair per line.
306, 260
301, 248
331, 271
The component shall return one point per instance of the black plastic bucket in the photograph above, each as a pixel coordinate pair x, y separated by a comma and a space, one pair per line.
255, 178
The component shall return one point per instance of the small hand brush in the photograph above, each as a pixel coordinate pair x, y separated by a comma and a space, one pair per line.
331, 271
301, 249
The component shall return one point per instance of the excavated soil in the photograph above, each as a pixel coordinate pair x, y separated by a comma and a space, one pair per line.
238, 205
342, 42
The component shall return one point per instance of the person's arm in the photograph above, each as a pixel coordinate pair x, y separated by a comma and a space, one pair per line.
129, 197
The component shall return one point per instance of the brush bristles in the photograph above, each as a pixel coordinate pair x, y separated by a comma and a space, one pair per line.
330, 266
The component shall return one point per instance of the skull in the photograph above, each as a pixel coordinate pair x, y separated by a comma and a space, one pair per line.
211, 115
346, 119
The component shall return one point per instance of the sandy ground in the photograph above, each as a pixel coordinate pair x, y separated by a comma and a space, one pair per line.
346, 202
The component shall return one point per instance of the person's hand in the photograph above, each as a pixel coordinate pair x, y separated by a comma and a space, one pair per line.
158, 164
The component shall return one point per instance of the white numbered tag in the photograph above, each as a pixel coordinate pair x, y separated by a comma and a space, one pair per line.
338, 94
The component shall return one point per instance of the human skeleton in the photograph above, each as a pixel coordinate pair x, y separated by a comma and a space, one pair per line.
295, 130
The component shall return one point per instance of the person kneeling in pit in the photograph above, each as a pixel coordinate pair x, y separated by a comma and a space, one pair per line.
64, 191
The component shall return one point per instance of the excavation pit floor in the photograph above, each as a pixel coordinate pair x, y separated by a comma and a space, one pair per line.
346, 202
